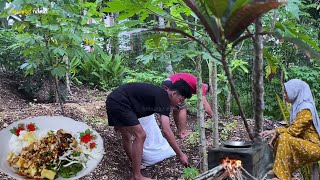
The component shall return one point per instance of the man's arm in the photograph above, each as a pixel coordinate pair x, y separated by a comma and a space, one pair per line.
168, 134
207, 106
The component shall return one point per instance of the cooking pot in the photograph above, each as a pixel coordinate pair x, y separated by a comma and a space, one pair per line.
237, 144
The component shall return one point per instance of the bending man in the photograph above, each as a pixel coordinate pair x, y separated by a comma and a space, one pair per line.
180, 112
131, 101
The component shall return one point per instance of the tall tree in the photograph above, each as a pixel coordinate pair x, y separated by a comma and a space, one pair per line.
258, 85
200, 117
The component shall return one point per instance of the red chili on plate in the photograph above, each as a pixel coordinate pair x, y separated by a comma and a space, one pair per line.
86, 138
18, 131
31, 127
92, 145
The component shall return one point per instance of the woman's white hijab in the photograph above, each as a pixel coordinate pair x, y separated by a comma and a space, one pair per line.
300, 96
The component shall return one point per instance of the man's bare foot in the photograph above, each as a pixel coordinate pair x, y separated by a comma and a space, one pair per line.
275, 178
185, 134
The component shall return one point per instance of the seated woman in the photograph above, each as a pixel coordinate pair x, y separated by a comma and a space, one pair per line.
299, 144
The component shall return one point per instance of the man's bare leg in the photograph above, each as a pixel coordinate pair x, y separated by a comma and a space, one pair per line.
136, 149
181, 122
126, 142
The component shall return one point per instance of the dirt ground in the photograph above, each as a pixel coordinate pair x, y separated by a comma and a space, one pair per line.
88, 106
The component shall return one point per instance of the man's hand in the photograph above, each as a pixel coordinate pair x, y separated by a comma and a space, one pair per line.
183, 158
168, 134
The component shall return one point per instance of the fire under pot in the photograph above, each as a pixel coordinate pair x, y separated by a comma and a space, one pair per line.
256, 158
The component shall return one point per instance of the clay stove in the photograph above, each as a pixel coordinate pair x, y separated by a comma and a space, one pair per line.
256, 159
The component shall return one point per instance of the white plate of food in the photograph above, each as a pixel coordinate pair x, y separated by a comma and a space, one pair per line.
54, 147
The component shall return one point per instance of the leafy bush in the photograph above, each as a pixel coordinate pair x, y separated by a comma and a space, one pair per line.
192, 104
224, 134
102, 70
10, 58
193, 138
272, 108
152, 77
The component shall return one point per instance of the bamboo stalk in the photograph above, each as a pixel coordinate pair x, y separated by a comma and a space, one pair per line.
209, 173
223, 176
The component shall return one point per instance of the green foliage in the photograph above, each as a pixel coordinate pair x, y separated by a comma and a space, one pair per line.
229, 126
193, 138
272, 109
102, 70
239, 65
50, 38
10, 58
152, 77
190, 172
311, 75
272, 62
192, 104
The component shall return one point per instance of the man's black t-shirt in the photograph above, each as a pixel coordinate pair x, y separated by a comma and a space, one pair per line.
141, 98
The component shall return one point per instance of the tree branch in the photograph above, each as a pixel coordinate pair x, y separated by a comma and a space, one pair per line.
173, 30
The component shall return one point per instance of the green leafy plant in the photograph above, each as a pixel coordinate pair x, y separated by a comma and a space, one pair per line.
192, 104
311, 75
193, 138
224, 134
10, 58
148, 76
284, 108
190, 172
102, 70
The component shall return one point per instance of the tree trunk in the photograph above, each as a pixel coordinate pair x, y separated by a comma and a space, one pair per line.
200, 117
58, 95
213, 91
162, 24
234, 92
67, 74
229, 95
258, 88
228, 104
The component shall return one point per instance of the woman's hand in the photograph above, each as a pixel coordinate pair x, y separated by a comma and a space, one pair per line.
268, 133
271, 133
